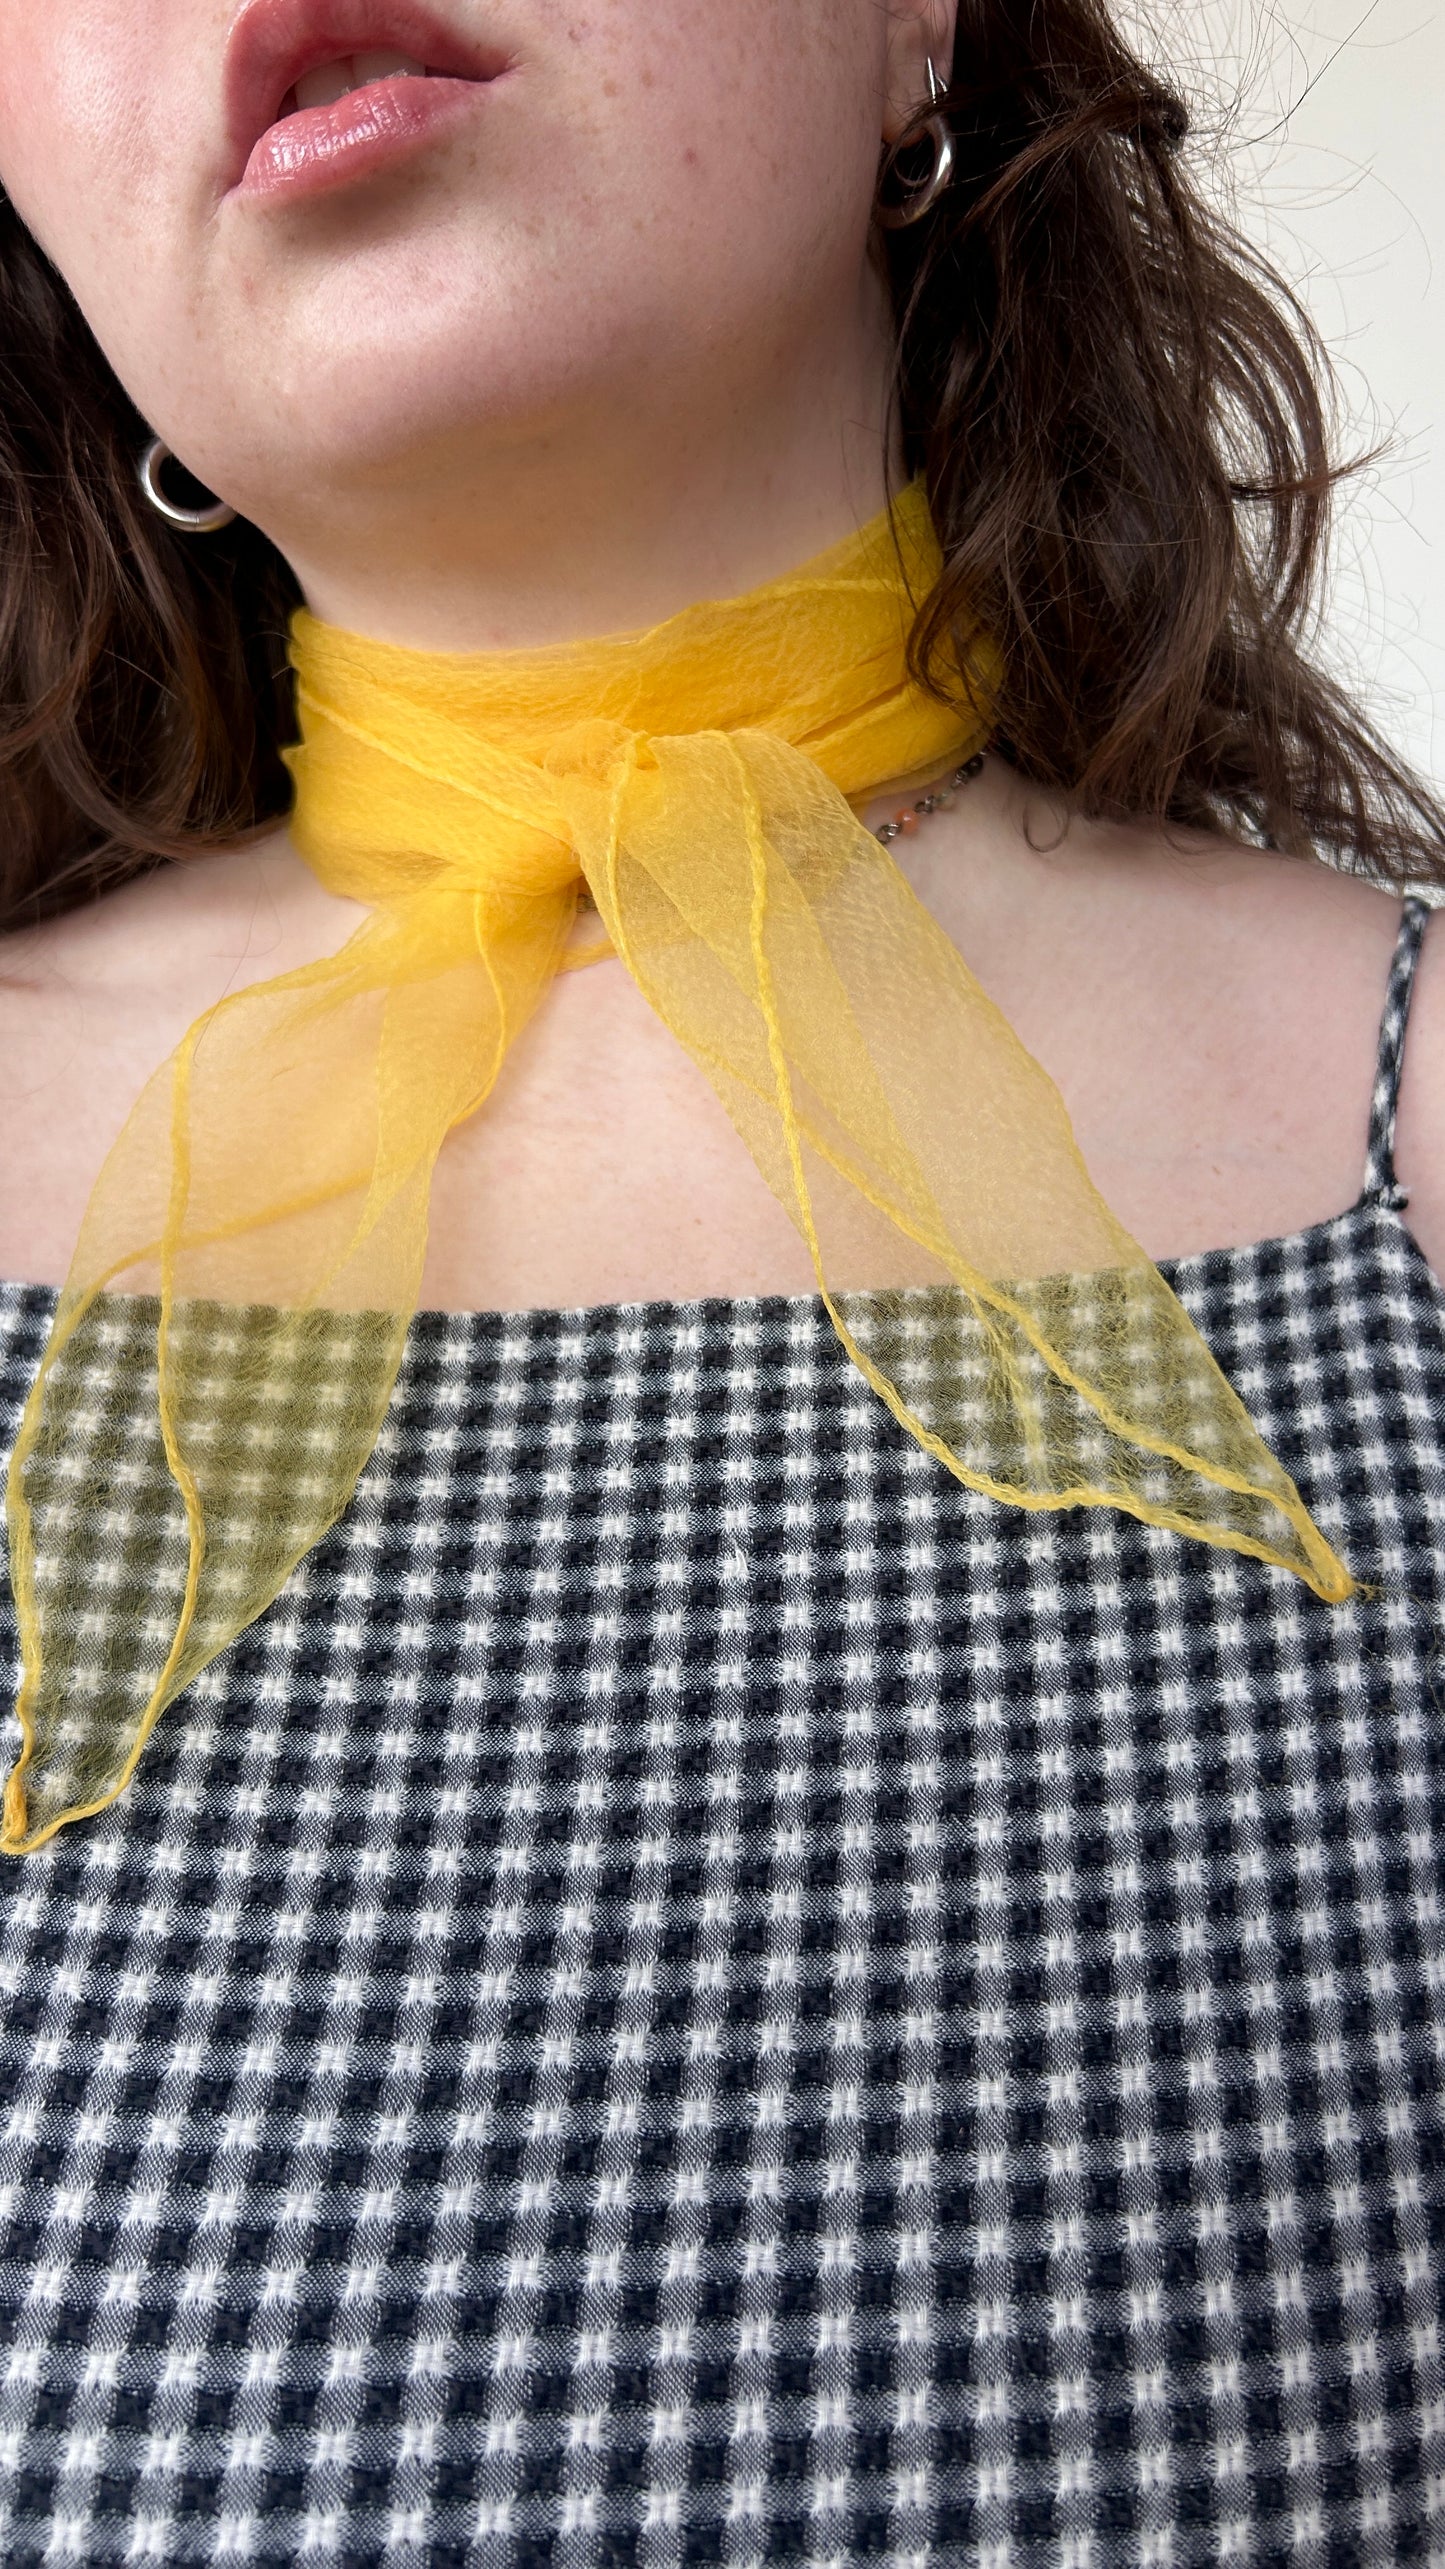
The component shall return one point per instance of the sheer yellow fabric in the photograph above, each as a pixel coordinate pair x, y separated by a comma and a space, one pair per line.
268, 1197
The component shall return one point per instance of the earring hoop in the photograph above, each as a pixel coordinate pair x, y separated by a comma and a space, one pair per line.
188, 521
921, 200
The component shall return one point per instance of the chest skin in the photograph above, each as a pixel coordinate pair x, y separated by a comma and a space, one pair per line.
1210, 1014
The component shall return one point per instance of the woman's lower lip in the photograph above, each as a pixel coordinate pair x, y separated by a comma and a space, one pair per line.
322, 148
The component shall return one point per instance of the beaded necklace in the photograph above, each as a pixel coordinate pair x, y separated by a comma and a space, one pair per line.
908, 815
904, 822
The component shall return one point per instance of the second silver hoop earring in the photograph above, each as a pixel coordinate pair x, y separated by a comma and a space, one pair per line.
188, 521
921, 200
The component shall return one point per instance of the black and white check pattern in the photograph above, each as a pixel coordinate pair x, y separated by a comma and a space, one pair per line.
108, 1520
696, 1992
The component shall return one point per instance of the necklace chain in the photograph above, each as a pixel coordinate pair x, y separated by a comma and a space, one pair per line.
905, 820
908, 815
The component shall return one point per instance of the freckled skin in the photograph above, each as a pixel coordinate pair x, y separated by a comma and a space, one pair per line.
458, 359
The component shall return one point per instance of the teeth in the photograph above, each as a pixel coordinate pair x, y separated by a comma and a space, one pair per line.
387, 67
337, 79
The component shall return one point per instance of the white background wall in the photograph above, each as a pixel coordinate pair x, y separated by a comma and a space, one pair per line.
1326, 122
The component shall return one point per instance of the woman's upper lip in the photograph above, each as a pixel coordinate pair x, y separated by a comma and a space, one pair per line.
274, 43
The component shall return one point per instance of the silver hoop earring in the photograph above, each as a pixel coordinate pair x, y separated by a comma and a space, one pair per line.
189, 521
921, 200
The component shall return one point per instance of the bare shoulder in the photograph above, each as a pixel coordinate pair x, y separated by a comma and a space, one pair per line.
184, 930
1210, 1011
92, 1002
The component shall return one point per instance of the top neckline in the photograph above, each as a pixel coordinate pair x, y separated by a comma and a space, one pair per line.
1368, 1206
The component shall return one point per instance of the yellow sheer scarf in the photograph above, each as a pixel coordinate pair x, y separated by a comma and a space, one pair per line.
267, 1199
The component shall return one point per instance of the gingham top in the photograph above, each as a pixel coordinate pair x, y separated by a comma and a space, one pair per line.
697, 1992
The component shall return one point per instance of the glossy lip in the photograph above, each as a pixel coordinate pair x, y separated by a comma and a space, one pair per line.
274, 43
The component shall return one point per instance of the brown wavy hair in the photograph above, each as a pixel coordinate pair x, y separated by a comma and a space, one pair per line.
1122, 413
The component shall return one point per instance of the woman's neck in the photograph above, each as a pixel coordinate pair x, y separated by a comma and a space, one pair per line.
566, 530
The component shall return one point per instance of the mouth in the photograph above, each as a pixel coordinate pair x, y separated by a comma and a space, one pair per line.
316, 88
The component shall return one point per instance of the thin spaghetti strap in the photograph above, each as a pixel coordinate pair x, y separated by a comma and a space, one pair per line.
1381, 1184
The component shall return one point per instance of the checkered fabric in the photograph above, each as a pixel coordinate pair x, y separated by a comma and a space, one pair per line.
109, 1522
697, 1992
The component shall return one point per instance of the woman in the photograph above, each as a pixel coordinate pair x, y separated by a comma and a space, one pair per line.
812, 1929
